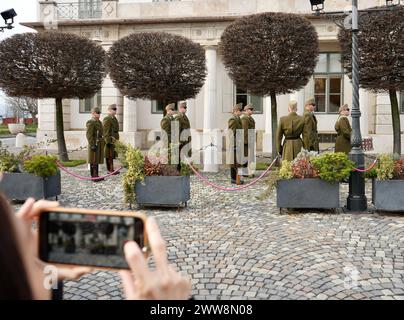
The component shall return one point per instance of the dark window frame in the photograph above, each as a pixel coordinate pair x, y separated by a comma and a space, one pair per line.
249, 96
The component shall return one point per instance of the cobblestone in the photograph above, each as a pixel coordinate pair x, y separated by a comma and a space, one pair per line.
234, 245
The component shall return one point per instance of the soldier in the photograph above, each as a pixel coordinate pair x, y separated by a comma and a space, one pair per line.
184, 124
111, 134
234, 124
248, 123
165, 123
310, 134
344, 130
95, 142
290, 126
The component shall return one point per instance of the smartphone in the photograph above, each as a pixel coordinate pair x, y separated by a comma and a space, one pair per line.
83, 237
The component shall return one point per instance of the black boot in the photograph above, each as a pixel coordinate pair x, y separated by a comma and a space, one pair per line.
96, 174
233, 175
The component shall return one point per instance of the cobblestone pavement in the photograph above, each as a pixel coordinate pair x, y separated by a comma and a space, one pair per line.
235, 246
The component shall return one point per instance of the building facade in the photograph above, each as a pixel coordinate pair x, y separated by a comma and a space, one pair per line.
203, 21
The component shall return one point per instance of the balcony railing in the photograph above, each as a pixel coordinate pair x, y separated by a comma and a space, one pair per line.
90, 9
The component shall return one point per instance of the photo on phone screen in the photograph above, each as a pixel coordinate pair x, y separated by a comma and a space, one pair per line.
88, 239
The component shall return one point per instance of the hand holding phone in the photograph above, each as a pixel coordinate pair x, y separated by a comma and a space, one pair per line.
89, 237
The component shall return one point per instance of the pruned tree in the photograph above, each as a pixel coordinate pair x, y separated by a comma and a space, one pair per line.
270, 54
157, 66
51, 65
24, 105
381, 58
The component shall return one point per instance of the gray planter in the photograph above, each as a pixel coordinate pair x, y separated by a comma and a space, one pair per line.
163, 191
388, 195
307, 193
21, 186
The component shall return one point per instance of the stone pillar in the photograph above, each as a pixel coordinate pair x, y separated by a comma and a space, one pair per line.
130, 134
267, 136
109, 9
364, 106
210, 155
111, 95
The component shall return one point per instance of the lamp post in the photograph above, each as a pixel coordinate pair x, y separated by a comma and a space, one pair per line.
356, 199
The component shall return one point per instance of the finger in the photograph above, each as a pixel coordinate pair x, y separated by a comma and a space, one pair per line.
128, 285
157, 244
72, 274
136, 261
40, 205
26, 208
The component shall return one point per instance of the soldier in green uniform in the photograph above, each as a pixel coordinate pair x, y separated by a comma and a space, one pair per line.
165, 124
95, 142
344, 130
234, 124
290, 127
184, 128
310, 134
111, 134
248, 124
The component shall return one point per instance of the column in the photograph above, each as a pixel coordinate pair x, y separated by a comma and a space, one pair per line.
210, 158
130, 134
267, 137
111, 95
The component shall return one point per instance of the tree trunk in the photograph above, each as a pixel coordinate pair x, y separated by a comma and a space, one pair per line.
62, 150
395, 115
274, 122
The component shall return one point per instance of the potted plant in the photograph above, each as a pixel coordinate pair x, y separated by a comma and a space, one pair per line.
25, 176
152, 180
312, 181
388, 184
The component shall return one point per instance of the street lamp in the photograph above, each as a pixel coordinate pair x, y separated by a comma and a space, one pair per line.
356, 199
8, 17
317, 6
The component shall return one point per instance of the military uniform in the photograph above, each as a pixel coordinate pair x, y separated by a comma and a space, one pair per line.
248, 123
234, 124
165, 125
111, 133
344, 130
95, 145
310, 134
290, 127
184, 124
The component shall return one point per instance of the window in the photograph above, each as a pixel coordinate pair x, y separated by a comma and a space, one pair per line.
87, 104
402, 101
328, 83
244, 97
159, 105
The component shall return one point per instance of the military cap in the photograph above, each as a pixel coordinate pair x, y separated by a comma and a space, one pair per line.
238, 107
310, 101
344, 107
248, 106
170, 106
112, 106
293, 104
96, 110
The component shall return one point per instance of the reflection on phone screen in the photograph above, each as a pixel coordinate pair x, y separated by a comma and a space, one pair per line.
94, 240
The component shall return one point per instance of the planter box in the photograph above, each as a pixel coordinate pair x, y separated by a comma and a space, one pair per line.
307, 193
15, 128
163, 191
21, 186
388, 195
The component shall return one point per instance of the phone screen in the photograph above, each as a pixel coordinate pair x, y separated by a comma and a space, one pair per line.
87, 239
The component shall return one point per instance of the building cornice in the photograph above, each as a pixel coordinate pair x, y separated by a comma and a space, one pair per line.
157, 20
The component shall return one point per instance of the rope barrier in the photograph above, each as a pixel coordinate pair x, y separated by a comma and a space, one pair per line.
366, 170
216, 186
83, 177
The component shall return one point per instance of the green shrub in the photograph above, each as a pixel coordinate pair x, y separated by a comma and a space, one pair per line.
8, 161
333, 167
385, 168
285, 172
135, 164
41, 165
